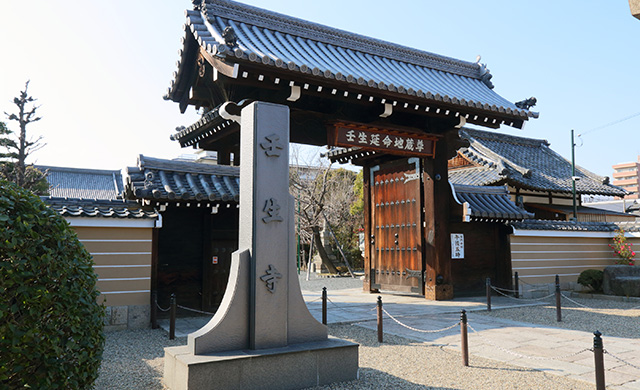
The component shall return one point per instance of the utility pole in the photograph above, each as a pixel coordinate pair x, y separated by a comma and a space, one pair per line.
573, 177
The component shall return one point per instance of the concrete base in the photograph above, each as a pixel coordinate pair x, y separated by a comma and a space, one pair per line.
442, 292
127, 317
293, 367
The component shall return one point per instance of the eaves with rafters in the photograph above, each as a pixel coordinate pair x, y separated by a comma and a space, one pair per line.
296, 57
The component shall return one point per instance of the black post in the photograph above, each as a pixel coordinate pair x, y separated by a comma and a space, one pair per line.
558, 300
464, 338
154, 310
598, 354
488, 294
517, 285
379, 319
324, 305
172, 317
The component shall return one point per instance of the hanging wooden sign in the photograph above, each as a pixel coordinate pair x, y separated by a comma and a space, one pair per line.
382, 140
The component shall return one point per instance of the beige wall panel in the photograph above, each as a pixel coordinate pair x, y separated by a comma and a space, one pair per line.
126, 299
113, 233
561, 263
549, 279
539, 259
518, 250
123, 259
121, 246
123, 285
518, 240
562, 255
123, 272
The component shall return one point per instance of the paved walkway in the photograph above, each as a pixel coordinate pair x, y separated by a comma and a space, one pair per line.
558, 351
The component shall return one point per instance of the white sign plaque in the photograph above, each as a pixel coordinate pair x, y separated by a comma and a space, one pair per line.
457, 246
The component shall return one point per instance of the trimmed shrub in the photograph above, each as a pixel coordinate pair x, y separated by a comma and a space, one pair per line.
591, 278
51, 334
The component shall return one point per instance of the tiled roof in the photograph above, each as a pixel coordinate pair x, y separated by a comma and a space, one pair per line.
79, 192
80, 183
210, 123
538, 224
170, 180
489, 203
279, 42
99, 208
525, 163
630, 206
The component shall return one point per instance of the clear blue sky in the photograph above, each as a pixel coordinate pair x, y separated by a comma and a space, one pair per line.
100, 69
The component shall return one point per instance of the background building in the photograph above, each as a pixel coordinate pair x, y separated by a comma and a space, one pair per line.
625, 175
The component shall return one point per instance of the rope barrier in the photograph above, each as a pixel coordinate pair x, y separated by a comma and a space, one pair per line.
523, 299
516, 354
514, 291
576, 303
592, 308
420, 330
194, 310
161, 309
621, 360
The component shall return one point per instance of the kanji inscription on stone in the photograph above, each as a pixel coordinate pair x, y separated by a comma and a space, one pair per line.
272, 146
270, 278
272, 208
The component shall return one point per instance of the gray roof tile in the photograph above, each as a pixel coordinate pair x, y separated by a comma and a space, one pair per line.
171, 180
269, 39
576, 226
83, 183
525, 163
489, 203
99, 208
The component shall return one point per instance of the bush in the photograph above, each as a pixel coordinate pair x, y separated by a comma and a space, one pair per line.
50, 323
591, 278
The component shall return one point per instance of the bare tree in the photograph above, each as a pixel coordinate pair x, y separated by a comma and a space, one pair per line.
323, 194
14, 167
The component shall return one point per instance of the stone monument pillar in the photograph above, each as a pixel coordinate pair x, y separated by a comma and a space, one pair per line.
262, 336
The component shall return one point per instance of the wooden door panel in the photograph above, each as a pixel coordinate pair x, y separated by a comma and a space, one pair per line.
396, 250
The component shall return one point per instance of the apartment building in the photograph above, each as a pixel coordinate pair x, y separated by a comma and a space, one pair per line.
626, 175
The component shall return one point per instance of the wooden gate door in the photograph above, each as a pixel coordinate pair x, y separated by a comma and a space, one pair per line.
396, 223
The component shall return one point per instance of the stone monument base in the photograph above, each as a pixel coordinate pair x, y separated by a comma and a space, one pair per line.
295, 366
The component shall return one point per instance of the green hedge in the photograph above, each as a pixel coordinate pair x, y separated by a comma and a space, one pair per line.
51, 327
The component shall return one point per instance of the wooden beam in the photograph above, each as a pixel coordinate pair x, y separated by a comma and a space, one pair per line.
229, 70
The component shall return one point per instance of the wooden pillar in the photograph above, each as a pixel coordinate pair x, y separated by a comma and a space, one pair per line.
437, 241
224, 157
154, 268
368, 231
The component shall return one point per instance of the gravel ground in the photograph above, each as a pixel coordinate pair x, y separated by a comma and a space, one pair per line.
338, 283
611, 318
134, 359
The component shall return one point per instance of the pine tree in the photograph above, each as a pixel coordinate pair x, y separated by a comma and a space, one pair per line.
13, 161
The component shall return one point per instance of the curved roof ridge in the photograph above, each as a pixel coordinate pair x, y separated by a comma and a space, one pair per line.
145, 162
505, 138
330, 35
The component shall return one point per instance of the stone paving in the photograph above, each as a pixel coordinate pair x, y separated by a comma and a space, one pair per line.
558, 351
554, 350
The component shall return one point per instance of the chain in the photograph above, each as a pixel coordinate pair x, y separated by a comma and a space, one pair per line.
161, 309
194, 310
502, 289
420, 330
576, 303
523, 299
514, 291
526, 356
620, 360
